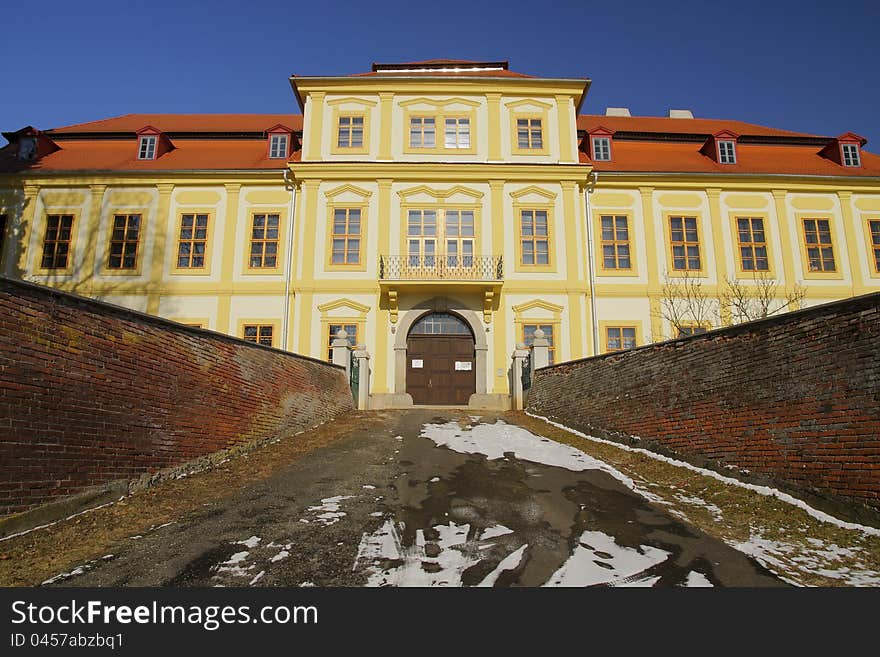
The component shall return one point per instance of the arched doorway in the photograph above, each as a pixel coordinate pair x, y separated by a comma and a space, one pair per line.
440, 360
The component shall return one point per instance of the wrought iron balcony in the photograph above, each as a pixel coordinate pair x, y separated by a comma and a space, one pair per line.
440, 268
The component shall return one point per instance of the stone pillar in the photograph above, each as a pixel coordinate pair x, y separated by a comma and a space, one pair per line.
519, 355
340, 350
540, 351
363, 360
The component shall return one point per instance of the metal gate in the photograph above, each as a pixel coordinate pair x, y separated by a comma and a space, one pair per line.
354, 374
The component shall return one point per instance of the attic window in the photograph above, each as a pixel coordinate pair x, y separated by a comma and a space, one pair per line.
727, 151
851, 155
278, 146
602, 149
147, 147
27, 148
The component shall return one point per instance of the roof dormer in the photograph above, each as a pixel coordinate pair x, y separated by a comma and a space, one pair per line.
31, 144
280, 142
597, 144
845, 150
152, 143
721, 147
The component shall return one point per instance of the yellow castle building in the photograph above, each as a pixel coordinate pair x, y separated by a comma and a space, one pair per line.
441, 212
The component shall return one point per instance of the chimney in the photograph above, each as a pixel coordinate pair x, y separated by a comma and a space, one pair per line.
617, 111
680, 114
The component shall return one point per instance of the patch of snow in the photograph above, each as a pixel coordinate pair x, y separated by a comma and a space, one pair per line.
136, 537
329, 509
818, 558
251, 542
598, 559
496, 440
238, 557
377, 514
257, 578
763, 490
434, 480
510, 562
646, 582
369, 487
492, 532
280, 556
697, 501
697, 580
455, 556
307, 584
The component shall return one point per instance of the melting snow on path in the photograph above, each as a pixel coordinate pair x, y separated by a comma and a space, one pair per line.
328, 511
495, 440
600, 560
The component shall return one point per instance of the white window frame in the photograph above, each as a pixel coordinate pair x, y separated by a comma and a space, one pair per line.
147, 147
850, 154
278, 146
602, 147
726, 151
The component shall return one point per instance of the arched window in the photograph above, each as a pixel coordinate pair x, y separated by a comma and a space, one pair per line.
440, 324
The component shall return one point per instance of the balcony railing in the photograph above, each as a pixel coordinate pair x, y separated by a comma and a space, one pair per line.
445, 268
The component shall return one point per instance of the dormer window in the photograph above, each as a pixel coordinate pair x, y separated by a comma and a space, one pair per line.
147, 147
278, 145
27, 148
851, 157
602, 149
726, 151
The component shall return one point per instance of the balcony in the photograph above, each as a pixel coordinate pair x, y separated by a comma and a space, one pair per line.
442, 274
426, 268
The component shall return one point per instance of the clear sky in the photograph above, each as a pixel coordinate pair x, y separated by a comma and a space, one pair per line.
807, 66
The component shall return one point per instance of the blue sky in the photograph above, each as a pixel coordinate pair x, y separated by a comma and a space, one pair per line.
796, 65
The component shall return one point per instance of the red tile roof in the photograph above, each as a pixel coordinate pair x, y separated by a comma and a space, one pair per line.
186, 123
658, 124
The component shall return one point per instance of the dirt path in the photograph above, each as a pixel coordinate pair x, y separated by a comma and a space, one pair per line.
428, 497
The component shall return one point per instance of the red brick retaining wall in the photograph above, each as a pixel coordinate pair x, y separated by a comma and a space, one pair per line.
91, 393
795, 398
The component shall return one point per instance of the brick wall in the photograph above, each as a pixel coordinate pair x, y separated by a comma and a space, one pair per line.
795, 398
92, 393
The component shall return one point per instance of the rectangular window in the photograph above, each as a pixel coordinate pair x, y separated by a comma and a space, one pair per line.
535, 237
458, 133
529, 134
124, 241
529, 337
258, 333
421, 132
264, 241
727, 152
147, 149
351, 331
874, 228
752, 244
851, 156
685, 240
193, 244
696, 329
615, 242
56, 244
346, 236
278, 146
618, 338
601, 149
820, 250
350, 132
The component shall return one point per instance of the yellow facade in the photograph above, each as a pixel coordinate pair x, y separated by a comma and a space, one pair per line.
488, 182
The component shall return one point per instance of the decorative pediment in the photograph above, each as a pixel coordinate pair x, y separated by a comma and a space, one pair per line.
538, 304
528, 102
439, 194
434, 102
532, 189
353, 101
346, 304
350, 189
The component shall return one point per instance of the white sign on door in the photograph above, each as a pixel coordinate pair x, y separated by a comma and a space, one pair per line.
463, 366
417, 364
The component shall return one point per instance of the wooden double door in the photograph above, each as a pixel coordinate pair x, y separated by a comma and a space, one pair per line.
441, 369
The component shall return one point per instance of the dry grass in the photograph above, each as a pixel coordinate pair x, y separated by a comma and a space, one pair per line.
785, 538
32, 558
